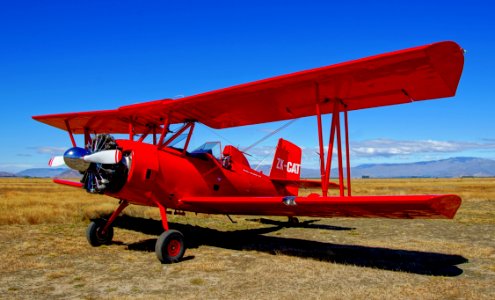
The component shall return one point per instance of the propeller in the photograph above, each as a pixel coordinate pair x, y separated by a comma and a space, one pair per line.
99, 162
77, 159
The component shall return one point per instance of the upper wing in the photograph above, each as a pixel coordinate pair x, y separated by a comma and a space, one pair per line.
104, 121
396, 207
421, 73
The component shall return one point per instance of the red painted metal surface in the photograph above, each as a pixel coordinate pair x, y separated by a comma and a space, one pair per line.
69, 130
173, 175
188, 139
164, 131
328, 165
201, 184
320, 142
347, 154
397, 207
163, 215
114, 215
173, 248
68, 182
339, 154
420, 73
178, 133
131, 130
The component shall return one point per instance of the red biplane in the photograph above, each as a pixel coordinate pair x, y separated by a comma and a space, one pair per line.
207, 180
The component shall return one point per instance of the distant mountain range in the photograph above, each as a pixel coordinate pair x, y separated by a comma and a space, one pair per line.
452, 167
6, 174
44, 173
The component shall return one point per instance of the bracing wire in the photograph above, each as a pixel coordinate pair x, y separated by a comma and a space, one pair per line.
269, 135
219, 135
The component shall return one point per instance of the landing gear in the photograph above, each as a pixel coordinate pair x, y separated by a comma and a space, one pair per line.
170, 247
100, 231
95, 234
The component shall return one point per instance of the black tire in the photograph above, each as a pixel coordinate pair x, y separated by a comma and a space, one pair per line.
94, 235
170, 247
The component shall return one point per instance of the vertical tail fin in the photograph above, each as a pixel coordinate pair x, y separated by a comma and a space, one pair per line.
287, 164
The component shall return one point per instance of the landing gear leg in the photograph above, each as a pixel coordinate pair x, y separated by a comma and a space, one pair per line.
170, 246
100, 231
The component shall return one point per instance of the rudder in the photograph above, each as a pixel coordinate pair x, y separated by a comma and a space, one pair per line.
287, 164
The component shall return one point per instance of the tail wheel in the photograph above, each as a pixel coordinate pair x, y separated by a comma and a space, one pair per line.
95, 235
293, 221
170, 247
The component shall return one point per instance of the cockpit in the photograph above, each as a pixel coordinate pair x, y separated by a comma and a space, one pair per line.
212, 148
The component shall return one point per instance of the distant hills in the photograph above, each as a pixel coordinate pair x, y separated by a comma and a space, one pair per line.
41, 172
6, 174
45, 173
451, 167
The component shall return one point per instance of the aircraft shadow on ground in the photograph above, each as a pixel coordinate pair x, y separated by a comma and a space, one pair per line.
303, 224
417, 262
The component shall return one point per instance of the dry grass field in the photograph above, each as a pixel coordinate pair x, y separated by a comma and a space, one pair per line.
44, 252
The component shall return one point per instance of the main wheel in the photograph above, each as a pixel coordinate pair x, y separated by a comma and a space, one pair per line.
95, 236
170, 247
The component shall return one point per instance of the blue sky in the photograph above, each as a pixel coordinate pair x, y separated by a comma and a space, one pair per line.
67, 56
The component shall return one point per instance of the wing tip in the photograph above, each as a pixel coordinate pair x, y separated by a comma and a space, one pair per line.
446, 205
448, 59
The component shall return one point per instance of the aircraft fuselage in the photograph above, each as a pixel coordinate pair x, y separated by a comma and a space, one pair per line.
168, 174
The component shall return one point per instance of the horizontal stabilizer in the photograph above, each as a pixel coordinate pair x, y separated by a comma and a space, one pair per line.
395, 207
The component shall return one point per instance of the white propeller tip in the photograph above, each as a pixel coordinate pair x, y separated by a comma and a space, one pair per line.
56, 161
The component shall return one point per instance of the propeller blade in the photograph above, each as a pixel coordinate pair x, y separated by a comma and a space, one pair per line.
106, 157
56, 161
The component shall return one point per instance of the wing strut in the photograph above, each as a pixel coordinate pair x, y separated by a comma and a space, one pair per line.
347, 154
320, 137
335, 134
87, 137
131, 131
71, 135
166, 124
188, 125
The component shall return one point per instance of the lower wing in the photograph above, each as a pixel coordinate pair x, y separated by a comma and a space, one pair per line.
396, 207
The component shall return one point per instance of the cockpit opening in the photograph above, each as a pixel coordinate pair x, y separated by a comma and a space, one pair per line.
213, 148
